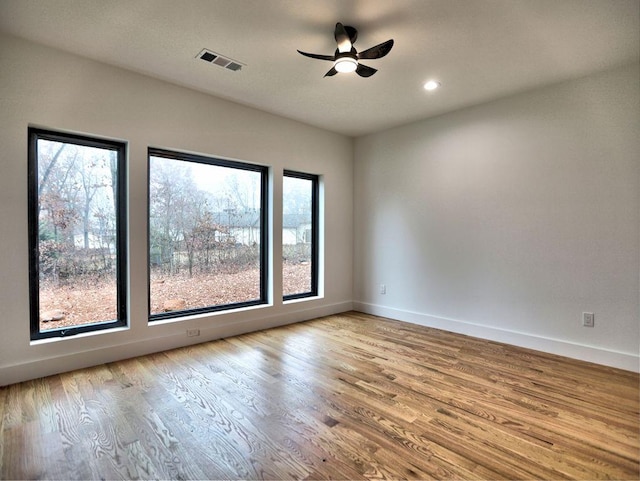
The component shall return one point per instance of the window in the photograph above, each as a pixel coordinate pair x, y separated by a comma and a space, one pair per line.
299, 235
207, 234
77, 237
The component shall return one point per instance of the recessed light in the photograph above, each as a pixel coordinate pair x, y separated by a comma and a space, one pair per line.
431, 85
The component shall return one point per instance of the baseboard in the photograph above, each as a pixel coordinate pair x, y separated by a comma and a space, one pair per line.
78, 360
621, 360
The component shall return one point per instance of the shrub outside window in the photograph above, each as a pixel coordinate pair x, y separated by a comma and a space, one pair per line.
77, 234
207, 234
299, 235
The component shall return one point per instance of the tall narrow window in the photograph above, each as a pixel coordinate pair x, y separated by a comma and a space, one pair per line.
207, 234
77, 235
299, 235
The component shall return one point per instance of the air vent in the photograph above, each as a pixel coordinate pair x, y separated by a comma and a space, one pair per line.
220, 60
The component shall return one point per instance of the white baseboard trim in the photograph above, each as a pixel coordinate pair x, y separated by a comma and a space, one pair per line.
621, 360
46, 367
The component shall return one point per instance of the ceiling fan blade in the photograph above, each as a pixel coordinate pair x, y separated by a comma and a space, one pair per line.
365, 71
317, 56
378, 51
342, 38
352, 32
331, 72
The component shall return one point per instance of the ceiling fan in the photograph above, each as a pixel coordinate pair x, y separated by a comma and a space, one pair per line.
346, 57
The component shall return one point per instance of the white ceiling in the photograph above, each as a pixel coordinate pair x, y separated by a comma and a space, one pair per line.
478, 49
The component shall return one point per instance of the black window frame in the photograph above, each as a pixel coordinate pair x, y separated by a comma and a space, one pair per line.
35, 134
315, 232
264, 235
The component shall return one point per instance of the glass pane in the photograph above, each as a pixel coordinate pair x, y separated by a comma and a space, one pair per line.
77, 234
297, 238
204, 235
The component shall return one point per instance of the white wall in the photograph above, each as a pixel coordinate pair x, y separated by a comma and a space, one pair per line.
508, 220
48, 88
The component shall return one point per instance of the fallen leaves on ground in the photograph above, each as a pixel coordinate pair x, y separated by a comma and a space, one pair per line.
91, 302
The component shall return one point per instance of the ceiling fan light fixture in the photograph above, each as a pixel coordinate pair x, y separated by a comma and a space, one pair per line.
345, 64
431, 85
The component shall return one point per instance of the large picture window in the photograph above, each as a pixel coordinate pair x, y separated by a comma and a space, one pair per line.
207, 234
299, 235
77, 237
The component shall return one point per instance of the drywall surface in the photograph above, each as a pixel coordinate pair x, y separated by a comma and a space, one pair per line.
47, 88
510, 219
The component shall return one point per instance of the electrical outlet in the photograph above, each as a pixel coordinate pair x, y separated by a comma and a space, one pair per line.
383, 289
193, 332
588, 319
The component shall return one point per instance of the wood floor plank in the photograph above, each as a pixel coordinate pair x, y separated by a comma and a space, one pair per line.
349, 396
28, 460
231, 426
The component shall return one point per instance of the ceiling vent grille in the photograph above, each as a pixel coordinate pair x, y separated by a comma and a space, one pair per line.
220, 60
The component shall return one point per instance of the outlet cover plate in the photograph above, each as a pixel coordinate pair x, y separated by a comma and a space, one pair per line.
588, 319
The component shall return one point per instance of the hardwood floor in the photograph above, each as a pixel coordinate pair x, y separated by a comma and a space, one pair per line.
349, 396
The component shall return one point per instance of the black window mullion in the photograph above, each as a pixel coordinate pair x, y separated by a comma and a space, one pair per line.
315, 235
264, 236
122, 238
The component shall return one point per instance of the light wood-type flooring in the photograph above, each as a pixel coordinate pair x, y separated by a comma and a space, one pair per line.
349, 396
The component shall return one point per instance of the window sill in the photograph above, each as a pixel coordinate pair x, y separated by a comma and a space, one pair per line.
50, 340
204, 315
302, 299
